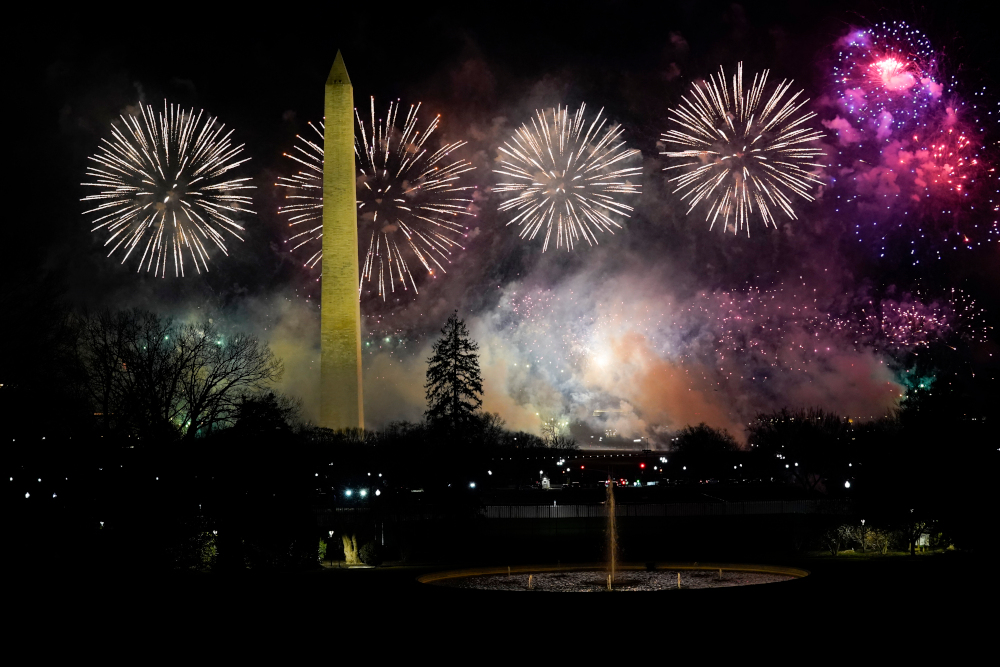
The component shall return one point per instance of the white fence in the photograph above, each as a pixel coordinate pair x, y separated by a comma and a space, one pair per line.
745, 508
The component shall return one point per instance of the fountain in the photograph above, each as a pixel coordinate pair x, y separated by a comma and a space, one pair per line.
649, 577
612, 532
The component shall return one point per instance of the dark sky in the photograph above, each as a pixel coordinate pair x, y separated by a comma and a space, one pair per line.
262, 72
485, 67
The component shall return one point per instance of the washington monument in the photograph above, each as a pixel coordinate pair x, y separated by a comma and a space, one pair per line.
341, 403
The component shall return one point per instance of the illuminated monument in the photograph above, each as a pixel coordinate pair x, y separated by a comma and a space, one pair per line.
341, 404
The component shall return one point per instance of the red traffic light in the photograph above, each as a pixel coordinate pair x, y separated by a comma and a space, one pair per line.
642, 465
581, 467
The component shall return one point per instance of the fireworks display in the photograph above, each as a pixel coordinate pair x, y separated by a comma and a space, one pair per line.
885, 74
883, 185
952, 158
161, 192
567, 175
304, 194
568, 349
914, 321
411, 200
728, 350
922, 191
738, 155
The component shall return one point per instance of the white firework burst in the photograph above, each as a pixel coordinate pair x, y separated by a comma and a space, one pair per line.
162, 191
739, 156
567, 176
410, 199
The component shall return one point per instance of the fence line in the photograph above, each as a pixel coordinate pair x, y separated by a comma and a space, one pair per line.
744, 508
753, 507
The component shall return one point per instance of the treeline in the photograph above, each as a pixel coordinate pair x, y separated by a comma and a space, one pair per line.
926, 469
134, 375
135, 434
136, 378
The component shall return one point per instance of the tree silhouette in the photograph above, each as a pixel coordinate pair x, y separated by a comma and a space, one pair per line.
454, 383
265, 413
708, 451
812, 447
151, 378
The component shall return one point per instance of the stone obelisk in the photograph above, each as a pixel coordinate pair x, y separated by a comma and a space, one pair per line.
341, 403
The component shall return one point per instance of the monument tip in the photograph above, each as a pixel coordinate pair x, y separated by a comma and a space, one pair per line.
338, 73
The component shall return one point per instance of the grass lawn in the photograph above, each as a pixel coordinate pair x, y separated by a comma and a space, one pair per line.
841, 594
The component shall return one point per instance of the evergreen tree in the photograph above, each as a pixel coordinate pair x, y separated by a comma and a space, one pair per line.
454, 383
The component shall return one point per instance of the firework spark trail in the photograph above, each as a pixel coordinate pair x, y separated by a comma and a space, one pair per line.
951, 159
914, 322
574, 349
749, 335
741, 330
914, 170
919, 193
889, 68
159, 180
305, 192
736, 157
410, 196
571, 352
566, 176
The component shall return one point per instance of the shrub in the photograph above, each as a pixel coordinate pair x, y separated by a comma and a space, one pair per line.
371, 554
209, 552
834, 537
881, 540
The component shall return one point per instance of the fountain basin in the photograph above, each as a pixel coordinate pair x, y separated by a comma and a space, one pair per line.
629, 577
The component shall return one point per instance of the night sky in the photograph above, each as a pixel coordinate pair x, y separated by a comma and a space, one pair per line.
665, 322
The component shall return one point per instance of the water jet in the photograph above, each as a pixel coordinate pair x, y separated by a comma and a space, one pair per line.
588, 577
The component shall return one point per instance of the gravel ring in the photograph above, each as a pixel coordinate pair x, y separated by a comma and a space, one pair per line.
595, 581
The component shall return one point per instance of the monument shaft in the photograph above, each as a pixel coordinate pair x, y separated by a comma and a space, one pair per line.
341, 403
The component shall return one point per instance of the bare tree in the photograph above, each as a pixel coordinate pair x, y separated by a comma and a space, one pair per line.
550, 429
492, 431
128, 360
912, 529
809, 446
563, 442
151, 378
879, 539
215, 371
834, 537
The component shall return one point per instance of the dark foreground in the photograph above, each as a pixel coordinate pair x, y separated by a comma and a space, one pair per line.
892, 599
